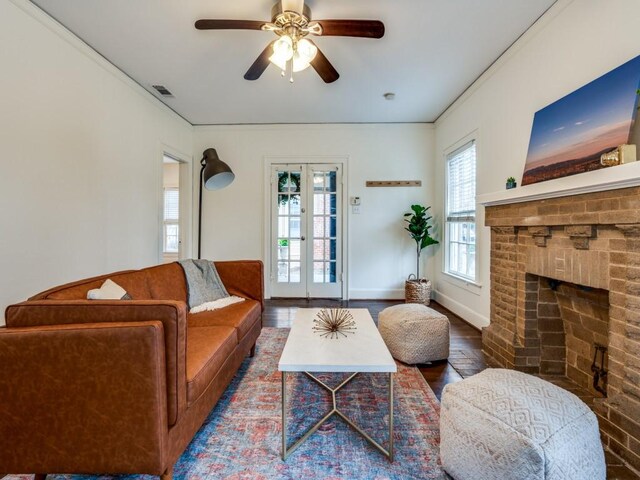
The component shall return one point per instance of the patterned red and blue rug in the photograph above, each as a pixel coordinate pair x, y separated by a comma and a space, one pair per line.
241, 438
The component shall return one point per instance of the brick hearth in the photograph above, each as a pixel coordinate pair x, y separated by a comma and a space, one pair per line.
565, 275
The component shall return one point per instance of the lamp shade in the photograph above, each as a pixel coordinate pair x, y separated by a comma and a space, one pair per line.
216, 173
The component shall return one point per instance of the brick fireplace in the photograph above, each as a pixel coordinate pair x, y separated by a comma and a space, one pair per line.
565, 291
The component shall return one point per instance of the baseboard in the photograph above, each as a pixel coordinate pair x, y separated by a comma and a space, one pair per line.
464, 312
375, 294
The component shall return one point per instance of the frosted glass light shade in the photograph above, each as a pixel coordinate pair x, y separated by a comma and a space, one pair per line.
282, 52
307, 50
299, 63
281, 64
304, 55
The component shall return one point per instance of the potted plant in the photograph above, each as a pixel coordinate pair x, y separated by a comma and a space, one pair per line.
511, 183
418, 290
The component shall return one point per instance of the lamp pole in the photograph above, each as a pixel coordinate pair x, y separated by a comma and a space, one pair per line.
203, 162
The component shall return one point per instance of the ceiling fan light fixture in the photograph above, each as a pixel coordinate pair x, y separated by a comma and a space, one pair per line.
291, 22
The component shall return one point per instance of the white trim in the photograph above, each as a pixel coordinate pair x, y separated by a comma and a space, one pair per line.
81, 46
472, 139
186, 199
464, 312
620, 176
534, 30
376, 294
233, 127
461, 282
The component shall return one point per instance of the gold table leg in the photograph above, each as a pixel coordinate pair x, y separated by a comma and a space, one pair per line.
284, 415
287, 451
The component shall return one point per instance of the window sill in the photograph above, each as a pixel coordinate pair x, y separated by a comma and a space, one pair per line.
464, 283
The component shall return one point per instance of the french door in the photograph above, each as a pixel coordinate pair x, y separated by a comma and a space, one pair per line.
306, 230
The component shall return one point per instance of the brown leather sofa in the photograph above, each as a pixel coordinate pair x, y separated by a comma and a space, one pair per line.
119, 386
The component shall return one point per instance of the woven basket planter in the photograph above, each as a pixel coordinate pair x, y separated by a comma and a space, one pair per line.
417, 290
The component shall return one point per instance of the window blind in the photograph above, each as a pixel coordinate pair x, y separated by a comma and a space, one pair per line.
461, 177
171, 204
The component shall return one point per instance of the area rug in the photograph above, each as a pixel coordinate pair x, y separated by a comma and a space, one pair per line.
240, 440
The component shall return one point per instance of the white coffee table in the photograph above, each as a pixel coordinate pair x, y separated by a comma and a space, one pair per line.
361, 352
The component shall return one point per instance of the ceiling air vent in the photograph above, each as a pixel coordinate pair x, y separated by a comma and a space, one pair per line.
162, 90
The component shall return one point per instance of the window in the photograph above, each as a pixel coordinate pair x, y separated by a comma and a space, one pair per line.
460, 247
171, 235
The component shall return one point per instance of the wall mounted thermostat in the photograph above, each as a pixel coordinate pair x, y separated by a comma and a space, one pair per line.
355, 205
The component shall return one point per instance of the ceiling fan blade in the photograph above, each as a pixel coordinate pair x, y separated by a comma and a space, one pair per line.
352, 28
324, 68
260, 65
229, 24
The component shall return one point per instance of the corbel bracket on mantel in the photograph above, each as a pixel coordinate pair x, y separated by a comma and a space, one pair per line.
540, 235
580, 235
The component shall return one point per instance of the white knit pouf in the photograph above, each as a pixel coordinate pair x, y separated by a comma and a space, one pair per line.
414, 333
503, 424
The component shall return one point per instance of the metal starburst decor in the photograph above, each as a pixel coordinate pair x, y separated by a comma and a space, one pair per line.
334, 322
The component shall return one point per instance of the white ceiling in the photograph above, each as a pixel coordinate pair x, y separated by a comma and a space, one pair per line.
431, 52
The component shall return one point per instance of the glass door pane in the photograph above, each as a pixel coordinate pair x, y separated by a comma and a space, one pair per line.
325, 197
289, 227
324, 227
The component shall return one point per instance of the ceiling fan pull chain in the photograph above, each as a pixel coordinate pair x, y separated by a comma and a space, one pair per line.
291, 67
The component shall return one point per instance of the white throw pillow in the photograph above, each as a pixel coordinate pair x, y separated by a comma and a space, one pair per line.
109, 290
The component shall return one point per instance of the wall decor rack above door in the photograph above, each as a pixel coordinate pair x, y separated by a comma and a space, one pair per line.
394, 183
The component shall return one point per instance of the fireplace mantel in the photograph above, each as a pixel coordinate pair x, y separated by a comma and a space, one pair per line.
612, 178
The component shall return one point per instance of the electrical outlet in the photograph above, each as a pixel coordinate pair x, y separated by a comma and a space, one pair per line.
355, 209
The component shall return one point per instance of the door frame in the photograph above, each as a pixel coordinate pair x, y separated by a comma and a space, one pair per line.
186, 201
268, 162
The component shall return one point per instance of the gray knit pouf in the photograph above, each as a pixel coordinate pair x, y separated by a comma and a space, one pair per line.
414, 333
503, 424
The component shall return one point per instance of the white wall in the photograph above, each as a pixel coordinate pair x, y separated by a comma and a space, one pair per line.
81, 156
574, 43
381, 254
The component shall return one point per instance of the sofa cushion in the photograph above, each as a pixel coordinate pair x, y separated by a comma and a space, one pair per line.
207, 350
241, 316
135, 283
167, 282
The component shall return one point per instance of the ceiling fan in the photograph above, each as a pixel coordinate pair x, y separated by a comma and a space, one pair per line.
292, 51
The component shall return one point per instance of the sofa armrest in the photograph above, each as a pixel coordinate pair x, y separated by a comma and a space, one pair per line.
244, 278
71, 394
172, 314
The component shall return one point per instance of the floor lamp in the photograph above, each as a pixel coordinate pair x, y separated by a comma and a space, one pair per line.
214, 175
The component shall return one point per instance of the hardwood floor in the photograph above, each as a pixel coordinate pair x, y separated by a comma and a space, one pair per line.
465, 357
